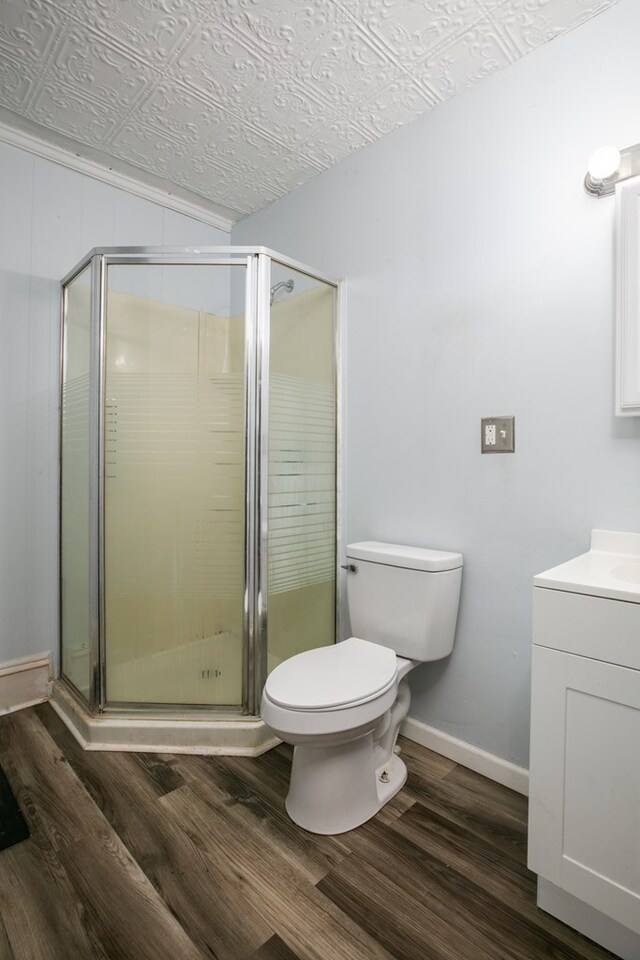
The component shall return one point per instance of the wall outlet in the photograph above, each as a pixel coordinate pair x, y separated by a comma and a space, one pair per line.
498, 435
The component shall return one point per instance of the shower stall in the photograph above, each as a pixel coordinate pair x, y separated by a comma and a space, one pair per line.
198, 490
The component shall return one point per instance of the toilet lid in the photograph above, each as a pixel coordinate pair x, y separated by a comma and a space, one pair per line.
350, 672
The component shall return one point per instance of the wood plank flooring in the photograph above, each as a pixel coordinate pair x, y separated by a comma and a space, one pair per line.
146, 857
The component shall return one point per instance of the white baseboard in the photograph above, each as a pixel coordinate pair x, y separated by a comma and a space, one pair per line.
23, 682
495, 768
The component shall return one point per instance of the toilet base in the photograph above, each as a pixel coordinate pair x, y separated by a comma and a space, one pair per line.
334, 789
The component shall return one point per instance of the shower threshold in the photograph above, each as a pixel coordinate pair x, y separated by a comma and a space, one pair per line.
224, 735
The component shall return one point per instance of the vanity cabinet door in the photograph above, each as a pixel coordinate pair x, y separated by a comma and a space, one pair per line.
584, 809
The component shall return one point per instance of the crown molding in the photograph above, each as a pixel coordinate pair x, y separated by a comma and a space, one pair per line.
64, 156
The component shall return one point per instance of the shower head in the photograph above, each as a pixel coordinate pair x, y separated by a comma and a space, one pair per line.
281, 285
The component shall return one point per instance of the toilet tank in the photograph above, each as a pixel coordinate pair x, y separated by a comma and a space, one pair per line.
405, 598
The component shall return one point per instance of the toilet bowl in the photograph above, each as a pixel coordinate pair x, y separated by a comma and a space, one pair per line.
337, 706
341, 706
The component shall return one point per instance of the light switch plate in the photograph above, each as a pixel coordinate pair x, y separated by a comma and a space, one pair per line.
498, 435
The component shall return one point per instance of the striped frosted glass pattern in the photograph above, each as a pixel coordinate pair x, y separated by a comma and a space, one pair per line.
302, 468
74, 482
301, 483
174, 491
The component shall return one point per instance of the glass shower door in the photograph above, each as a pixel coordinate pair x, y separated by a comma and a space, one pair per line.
174, 465
75, 465
301, 511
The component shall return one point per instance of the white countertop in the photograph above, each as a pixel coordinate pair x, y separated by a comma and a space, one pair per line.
610, 569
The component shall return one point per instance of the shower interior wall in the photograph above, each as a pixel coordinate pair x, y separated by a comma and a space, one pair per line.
174, 459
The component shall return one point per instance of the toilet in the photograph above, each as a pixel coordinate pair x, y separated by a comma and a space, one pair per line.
341, 706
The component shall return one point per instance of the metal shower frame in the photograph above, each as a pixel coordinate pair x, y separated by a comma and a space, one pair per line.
258, 261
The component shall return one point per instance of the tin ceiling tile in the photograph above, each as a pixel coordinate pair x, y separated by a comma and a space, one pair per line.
28, 28
465, 59
530, 23
410, 30
70, 112
16, 83
98, 69
152, 31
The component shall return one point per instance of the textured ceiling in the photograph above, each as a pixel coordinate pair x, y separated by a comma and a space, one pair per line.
240, 101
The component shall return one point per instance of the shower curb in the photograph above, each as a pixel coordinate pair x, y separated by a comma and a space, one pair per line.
238, 737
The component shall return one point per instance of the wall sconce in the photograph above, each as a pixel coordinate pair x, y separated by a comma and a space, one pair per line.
608, 166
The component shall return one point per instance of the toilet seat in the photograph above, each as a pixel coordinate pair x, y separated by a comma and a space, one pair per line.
343, 675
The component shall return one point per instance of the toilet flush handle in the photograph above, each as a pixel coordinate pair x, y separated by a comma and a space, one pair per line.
349, 567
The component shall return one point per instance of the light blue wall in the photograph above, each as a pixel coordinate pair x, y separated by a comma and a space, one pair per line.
49, 218
480, 282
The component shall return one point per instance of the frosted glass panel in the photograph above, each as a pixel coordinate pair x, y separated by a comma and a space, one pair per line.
174, 485
74, 530
302, 466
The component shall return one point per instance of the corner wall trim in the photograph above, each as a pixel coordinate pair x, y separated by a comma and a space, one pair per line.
23, 683
66, 158
487, 764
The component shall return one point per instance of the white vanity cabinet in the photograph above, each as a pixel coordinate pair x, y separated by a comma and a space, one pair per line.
584, 808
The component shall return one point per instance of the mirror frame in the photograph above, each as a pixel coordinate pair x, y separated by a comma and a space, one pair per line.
628, 298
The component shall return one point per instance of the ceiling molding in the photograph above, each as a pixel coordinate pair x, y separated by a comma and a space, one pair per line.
66, 157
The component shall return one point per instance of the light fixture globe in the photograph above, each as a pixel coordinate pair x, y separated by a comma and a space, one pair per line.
608, 167
604, 163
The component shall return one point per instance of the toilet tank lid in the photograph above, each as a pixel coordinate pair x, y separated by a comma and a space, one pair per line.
397, 555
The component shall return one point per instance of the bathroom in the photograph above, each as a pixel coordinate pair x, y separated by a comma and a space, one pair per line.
480, 281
